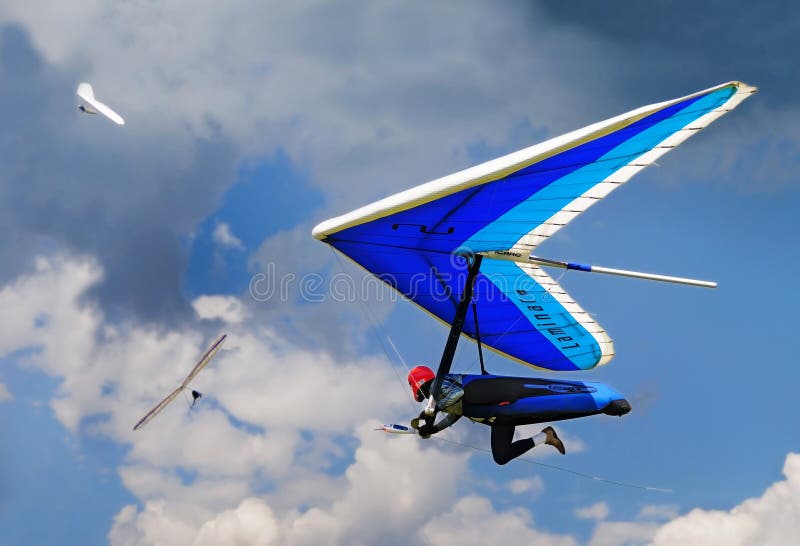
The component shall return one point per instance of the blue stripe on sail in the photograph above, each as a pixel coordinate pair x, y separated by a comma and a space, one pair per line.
545, 314
510, 227
434, 282
447, 223
414, 246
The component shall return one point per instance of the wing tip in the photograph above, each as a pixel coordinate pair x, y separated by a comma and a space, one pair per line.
85, 91
320, 230
743, 87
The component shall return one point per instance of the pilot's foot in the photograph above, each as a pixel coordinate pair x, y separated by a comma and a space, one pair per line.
553, 439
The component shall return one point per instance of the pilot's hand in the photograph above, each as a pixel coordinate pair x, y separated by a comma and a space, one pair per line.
426, 430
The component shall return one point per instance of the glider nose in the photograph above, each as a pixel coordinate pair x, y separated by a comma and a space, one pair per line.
617, 408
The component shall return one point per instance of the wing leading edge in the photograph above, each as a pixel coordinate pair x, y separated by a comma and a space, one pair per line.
512, 204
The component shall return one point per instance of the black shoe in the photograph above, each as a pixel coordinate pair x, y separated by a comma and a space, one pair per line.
554, 440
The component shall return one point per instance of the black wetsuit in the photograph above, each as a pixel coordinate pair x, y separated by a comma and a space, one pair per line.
453, 402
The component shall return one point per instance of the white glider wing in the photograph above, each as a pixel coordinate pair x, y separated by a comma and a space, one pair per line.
202, 363
91, 105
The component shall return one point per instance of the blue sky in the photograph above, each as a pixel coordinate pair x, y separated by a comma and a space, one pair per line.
129, 249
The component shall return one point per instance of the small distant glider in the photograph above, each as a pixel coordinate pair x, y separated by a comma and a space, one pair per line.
91, 105
195, 394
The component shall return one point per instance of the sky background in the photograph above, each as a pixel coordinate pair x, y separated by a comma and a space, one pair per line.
127, 250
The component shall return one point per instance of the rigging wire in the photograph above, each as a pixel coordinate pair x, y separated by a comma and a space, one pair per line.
378, 329
475, 361
564, 469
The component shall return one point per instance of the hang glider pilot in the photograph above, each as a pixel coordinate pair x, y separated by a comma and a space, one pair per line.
452, 402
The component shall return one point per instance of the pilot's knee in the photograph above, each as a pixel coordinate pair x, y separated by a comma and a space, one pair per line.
500, 458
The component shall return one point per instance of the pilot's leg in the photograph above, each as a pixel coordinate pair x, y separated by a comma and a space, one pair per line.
503, 449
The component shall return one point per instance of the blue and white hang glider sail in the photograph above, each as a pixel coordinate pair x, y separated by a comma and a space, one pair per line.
420, 240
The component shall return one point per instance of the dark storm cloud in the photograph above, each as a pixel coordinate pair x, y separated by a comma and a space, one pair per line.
681, 44
124, 195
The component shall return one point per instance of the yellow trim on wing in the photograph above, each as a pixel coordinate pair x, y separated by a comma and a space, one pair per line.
503, 172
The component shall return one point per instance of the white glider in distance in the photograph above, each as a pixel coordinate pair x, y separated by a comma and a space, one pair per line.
90, 105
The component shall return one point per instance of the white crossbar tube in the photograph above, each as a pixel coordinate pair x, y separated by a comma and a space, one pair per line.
521, 258
652, 276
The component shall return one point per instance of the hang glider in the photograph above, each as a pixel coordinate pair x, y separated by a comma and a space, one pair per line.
202, 363
91, 105
425, 242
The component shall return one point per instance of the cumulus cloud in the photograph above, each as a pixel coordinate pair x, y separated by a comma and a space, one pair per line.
769, 519
191, 469
122, 196
526, 485
765, 520
658, 512
118, 372
333, 308
252, 432
393, 486
224, 237
5, 395
295, 423
225, 308
625, 533
473, 520
598, 511
252, 523
622, 533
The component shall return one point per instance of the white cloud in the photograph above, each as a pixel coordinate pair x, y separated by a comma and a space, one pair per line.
226, 308
276, 418
159, 524
251, 523
526, 485
48, 297
658, 512
348, 97
771, 519
120, 371
224, 237
294, 413
598, 511
5, 395
279, 415
622, 533
473, 520
337, 309
392, 487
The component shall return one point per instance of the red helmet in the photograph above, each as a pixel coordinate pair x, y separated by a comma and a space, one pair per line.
417, 377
